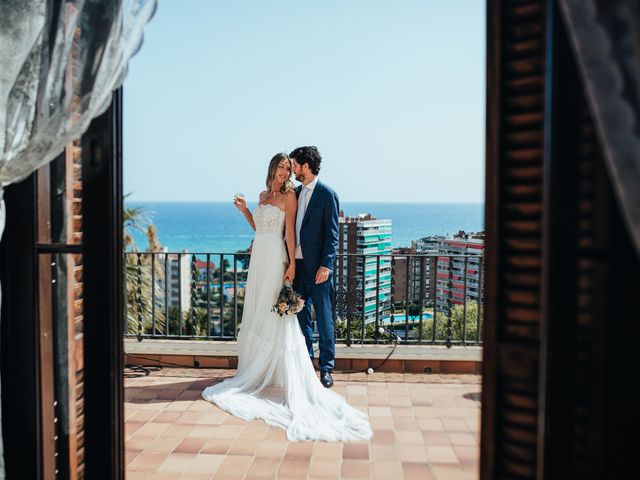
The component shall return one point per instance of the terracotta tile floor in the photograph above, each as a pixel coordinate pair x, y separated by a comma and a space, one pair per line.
426, 426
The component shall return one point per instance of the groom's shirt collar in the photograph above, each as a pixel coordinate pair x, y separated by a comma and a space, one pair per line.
312, 184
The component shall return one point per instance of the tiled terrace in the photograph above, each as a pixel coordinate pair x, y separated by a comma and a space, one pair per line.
426, 426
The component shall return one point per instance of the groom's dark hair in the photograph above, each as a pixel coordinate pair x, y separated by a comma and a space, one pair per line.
309, 155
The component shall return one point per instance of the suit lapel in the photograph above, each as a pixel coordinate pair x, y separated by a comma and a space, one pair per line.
312, 201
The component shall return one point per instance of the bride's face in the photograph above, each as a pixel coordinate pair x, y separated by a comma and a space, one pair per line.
283, 173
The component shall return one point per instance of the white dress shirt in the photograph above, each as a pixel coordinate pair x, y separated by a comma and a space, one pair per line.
303, 202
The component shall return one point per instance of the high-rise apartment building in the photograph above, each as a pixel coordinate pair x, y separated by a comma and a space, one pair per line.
424, 246
404, 282
453, 271
177, 281
367, 238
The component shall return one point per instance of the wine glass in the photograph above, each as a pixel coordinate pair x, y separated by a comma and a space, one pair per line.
239, 199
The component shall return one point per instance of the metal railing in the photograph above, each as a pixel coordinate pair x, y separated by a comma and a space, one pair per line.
416, 298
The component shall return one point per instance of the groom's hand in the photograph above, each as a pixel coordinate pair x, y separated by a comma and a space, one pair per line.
322, 275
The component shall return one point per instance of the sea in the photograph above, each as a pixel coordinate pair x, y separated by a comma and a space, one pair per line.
218, 227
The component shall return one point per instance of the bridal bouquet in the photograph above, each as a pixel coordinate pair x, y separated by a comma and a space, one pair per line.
289, 301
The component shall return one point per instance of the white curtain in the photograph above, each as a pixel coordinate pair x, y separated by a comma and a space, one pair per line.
60, 61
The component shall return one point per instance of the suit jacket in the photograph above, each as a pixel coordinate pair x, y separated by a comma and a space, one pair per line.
319, 230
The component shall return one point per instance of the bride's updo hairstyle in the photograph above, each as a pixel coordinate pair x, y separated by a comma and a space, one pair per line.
275, 162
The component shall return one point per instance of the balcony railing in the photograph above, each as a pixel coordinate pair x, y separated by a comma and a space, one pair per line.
204, 297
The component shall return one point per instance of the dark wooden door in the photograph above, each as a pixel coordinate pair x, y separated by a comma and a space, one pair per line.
61, 327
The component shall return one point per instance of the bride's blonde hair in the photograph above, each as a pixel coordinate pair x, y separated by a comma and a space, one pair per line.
273, 169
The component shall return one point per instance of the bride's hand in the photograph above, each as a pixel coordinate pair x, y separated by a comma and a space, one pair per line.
290, 273
240, 203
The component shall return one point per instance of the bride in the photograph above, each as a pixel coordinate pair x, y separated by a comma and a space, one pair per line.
275, 380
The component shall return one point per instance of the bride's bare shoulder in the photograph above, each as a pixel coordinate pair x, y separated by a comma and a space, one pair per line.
290, 200
262, 196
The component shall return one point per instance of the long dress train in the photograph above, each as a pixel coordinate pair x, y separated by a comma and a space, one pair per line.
275, 380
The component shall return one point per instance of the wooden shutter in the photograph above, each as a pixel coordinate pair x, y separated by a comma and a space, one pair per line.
514, 220
561, 267
61, 314
43, 317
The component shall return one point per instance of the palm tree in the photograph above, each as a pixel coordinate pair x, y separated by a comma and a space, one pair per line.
135, 219
140, 304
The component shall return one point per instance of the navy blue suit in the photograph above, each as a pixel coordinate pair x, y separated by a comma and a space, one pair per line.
319, 243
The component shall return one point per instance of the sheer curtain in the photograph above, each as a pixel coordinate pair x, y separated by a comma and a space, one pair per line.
61, 61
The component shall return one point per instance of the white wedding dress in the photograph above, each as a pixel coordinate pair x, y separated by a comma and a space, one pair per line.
275, 380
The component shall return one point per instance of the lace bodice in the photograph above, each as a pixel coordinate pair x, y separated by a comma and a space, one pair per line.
268, 218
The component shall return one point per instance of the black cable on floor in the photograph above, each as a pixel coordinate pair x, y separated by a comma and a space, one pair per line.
366, 370
147, 369
138, 371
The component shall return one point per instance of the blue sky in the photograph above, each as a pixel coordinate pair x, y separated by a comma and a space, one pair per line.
391, 92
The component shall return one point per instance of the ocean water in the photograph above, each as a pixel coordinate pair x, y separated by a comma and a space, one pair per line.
218, 227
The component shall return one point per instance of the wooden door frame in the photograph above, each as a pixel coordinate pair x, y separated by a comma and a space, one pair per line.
103, 263
509, 347
492, 252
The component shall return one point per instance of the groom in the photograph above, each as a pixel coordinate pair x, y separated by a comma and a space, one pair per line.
316, 250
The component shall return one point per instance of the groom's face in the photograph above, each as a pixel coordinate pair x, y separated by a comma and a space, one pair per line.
298, 170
